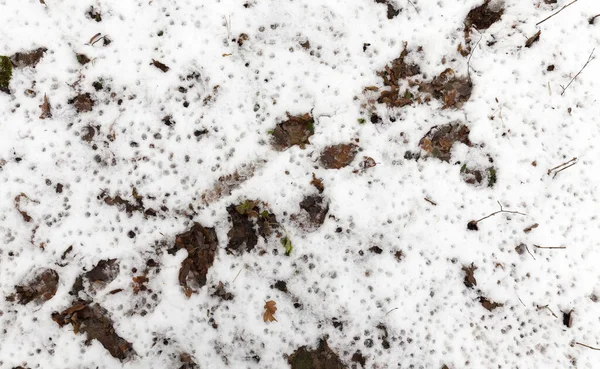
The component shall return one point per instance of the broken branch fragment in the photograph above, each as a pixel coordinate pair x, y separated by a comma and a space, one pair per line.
160, 66
472, 225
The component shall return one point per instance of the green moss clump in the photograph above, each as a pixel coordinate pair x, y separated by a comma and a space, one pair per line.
5, 73
492, 176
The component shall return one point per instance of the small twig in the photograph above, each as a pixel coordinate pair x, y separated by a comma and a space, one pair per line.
237, 275
469, 59
568, 166
550, 247
590, 58
520, 299
417, 10
560, 165
429, 201
592, 19
588, 346
499, 211
547, 307
391, 311
527, 248
560, 10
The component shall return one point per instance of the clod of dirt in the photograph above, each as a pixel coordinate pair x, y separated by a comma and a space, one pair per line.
40, 289
160, 66
296, 130
28, 58
469, 280
83, 59
96, 324
221, 293
376, 249
281, 286
320, 358
242, 38
315, 209
82, 102
476, 176
338, 156
451, 90
104, 272
5, 74
438, 141
483, 16
489, 304
358, 357
201, 245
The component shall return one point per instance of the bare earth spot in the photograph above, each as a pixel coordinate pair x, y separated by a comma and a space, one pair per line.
294, 131
104, 272
338, 156
41, 289
97, 325
391, 75
243, 231
439, 140
83, 102
320, 358
201, 244
314, 210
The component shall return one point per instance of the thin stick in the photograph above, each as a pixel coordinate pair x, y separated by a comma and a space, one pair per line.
520, 299
391, 311
590, 58
527, 248
550, 247
499, 211
469, 60
560, 10
558, 166
546, 307
568, 166
237, 275
429, 201
588, 346
413, 5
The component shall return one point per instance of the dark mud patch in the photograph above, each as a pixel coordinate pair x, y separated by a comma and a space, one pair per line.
249, 219
28, 58
314, 209
201, 245
438, 141
94, 321
296, 130
320, 358
451, 90
83, 102
40, 289
338, 156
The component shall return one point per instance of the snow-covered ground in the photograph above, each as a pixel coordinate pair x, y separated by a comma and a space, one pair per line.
200, 159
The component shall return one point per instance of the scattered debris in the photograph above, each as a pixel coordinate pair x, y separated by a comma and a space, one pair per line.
429, 201
376, 249
160, 66
550, 247
270, 310
384, 336
338, 156
40, 289
219, 291
531, 40
366, 163
451, 90
540, 307
590, 58
96, 324
317, 183
470, 280
83, 59
488, 304
28, 58
94, 14
126, 205
391, 75
392, 12
23, 213
5, 73
358, 357
438, 141
320, 358
242, 38
287, 244
46, 113
482, 17
201, 245
82, 102
472, 225
296, 130
552, 15
563, 166
476, 176
315, 210
530, 228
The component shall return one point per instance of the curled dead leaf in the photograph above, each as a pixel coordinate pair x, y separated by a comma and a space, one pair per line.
270, 309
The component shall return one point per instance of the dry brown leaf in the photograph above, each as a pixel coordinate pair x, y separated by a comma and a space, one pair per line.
45, 108
94, 38
270, 309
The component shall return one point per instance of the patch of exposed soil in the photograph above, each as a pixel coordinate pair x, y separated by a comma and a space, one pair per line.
201, 245
314, 210
320, 358
40, 289
480, 18
93, 320
296, 130
475, 176
338, 156
438, 141
82, 102
249, 220
449, 89
104, 272
398, 70
28, 58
